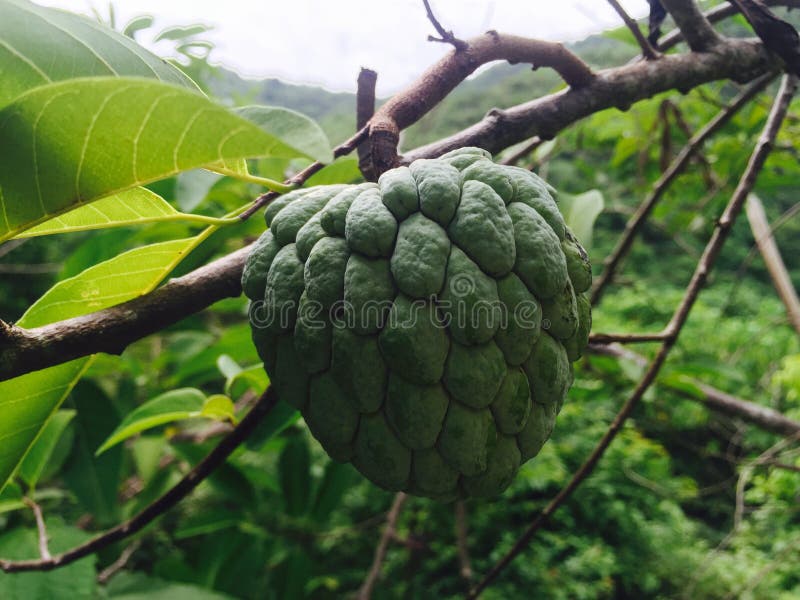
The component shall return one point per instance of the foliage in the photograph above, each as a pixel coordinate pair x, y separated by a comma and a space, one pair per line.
659, 516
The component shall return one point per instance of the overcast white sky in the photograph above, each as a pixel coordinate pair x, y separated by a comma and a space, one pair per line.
325, 42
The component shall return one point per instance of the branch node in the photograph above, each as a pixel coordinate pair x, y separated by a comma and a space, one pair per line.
446, 37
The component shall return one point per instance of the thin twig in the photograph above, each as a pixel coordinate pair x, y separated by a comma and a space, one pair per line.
174, 495
531, 146
365, 593
772, 259
696, 29
626, 338
300, 178
704, 266
44, 550
647, 50
636, 222
465, 568
106, 574
446, 37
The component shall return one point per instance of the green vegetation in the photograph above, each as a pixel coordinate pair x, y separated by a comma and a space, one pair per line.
687, 503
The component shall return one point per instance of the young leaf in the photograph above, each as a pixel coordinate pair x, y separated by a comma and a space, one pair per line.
42, 45
135, 206
220, 408
30, 469
175, 405
72, 142
295, 129
27, 402
580, 213
111, 282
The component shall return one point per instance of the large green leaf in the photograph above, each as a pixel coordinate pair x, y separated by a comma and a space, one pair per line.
294, 128
41, 45
135, 206
111, 282
72, 142
27, 402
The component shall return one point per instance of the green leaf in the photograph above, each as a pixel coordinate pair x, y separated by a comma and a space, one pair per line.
41, 45
136, 25
94, 481
139, 586
253, 378
580, 213
135, 206
294, 467
337, 480
26, 403
77, 580
192, 187
106, 284
295, 129
220, 408
11, 498
72, 142
181, 33
175, 405
32, 466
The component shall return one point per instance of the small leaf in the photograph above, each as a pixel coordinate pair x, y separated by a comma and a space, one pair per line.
175, 405
131, 207
228, 367
294, 129
136, 25
11, 498
220, 408
253, 378
32, 466
580, 213
181, 33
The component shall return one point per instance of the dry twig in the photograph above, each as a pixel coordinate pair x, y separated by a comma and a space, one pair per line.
365, 593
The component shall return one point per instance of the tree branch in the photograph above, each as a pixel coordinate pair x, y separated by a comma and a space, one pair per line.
430, 89
182, 489
41, 528
365, 108
716, 14
365, 593
696, 29
772, 258
738, 60
111, 330
647, 50
635, 223
465, 568
778, 35
704, 266
760, 416
446, 37
95, 332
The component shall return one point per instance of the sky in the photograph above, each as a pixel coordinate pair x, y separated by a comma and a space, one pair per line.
326, 42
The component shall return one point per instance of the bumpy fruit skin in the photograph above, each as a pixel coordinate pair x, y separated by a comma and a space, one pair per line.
424, 325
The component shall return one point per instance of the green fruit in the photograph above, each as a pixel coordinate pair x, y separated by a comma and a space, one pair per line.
424, 325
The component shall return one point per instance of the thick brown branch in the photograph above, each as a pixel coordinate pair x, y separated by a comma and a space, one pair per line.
718, 238
696, 29
647, 50
185, 486
739, 60
365, 593
113, 329
635, 223
429, 90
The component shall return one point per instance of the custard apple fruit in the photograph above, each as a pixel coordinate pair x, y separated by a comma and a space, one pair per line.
424, 325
